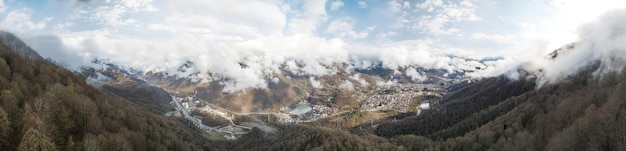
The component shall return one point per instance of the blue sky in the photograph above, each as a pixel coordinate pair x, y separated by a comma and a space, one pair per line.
218, 34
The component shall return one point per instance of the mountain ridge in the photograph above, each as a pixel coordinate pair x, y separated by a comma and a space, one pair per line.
44, 105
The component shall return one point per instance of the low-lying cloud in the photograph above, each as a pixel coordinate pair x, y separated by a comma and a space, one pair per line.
603, 41
245, 64
246, 47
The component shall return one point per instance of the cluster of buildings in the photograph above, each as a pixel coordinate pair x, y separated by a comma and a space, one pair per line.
318, 111
187, 103
286, 118
396, 97
184, 106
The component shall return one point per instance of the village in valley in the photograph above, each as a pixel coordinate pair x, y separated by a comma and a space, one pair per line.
401, 98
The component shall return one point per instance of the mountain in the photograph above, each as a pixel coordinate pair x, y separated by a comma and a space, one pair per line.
123, 84
458, 107
18, 46
46, 107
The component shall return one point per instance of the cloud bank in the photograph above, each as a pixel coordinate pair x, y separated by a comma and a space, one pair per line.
244, 44
603, 41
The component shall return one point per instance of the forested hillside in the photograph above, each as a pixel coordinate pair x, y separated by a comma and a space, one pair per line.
583, 112
458, 106
46, 107
132, 89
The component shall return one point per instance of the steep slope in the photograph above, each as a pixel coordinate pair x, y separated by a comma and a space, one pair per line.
299, 137
458, 106
139, 92
45, 106
582, 113
18, 46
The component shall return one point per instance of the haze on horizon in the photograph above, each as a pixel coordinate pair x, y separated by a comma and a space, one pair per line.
308, 37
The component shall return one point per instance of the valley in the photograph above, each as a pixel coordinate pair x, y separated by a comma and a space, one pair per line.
314, 75
390, 100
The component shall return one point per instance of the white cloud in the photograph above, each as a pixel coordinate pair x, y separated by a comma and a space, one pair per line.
568, 17
362, 4
423, 53
406, 5
118, 12
347, 85
2, 6
50, 46
493, 37
63, 27
336, 5
275, 80
20, 20
434, 25
343, 28
313, 12
571, 9
442, 16
263, 56
414, 75
601, 40
357, 77
385, 36
430, 5
137, 5
315, 83
395, 6
238, 18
